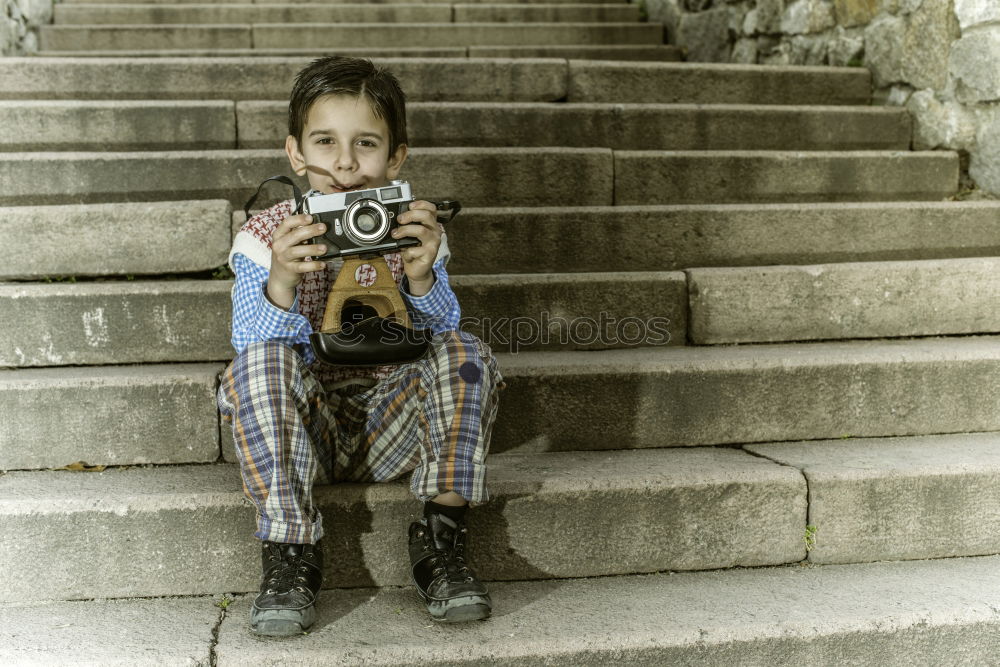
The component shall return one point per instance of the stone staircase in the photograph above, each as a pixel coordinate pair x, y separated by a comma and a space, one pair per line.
804, 470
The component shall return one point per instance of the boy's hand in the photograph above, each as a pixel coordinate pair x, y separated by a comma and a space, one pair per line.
287, 253
418, 261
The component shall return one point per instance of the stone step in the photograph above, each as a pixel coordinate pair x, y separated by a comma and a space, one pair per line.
898, 498
113, 415
190, 320
263, 124
669, 238
899, 613
438, 80
309, 4
679, 396
662, 52
57, 125
703, 83
115, 239
196, 14
692, 177
490, 176
848, 300
183, 530
646, 398
502, 176
188, 236
315, 35
441, 79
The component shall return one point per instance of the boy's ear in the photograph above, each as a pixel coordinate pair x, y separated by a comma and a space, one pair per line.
396, 161
295, 156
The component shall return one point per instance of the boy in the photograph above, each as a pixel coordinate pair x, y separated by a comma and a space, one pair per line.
297, 422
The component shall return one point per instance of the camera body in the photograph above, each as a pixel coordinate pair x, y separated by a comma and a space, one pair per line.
360, 222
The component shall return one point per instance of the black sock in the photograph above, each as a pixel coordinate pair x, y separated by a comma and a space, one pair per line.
456, 514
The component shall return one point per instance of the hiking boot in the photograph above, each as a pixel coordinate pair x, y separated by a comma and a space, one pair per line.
448, 587
293, 574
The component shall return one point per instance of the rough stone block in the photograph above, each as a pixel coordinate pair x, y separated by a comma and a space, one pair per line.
898, 498
115, 322
850, 300
661, 177
703, 83
976, 77
115, 415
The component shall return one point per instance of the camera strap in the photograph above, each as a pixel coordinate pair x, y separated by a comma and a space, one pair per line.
280, 179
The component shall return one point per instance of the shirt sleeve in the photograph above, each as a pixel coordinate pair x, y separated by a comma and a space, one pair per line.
256, 319
437, 310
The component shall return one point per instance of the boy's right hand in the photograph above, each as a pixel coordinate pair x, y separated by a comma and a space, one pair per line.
287, 257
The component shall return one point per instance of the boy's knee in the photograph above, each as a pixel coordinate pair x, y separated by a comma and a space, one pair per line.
265, 358
471, 358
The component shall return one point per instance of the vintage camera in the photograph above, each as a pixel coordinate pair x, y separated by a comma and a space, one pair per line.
360, 222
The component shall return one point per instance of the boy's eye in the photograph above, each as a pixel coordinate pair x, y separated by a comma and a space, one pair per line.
368, 143
324, 140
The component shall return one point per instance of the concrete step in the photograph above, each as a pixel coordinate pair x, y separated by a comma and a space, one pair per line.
442, 79
703, 83
690, 177
898, 498
661, 52
194, 14
57, 125
438, 80
188, 530
190, 320
310, 4
678, 396
315, 35
899, 613
114, 415
502, 176
115, 239
263, 124
669, 238
136, 239
490, 176
848, 300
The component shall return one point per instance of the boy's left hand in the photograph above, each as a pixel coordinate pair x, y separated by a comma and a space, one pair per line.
418, 261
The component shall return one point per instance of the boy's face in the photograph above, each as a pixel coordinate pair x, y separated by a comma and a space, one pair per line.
344, 146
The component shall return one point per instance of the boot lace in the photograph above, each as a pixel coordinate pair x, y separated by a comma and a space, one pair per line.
288, 574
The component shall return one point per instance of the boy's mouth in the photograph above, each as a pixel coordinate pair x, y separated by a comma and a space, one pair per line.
346, 188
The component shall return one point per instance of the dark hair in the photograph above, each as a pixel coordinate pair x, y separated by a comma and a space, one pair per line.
338, 75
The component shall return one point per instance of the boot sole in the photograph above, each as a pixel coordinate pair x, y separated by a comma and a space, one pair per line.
460, 610
281, 622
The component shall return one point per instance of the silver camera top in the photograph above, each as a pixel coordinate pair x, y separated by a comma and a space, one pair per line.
396, 191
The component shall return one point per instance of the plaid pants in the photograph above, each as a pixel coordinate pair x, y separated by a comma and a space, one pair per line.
433, 416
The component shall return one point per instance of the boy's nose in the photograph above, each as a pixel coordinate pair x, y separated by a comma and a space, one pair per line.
345, 160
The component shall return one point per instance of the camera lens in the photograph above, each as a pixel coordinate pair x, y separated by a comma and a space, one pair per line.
367, 222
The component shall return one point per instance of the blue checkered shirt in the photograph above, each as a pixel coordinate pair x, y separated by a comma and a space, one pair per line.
256, 319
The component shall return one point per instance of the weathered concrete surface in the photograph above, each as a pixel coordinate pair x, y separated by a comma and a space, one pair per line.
113, 38
263, 124
189, 530
478, 177
848, 300
108, 416
334, 2
718, 177
429, 79
544, 13
907, 613
898, 498
695, 83
668, 238
457, 34
64, 125
114, 239
677, 396
173, 631
115, 322
277, 12
581, 311
662, 52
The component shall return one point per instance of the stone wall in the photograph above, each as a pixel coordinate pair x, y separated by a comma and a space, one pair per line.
19, 25
940, 58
